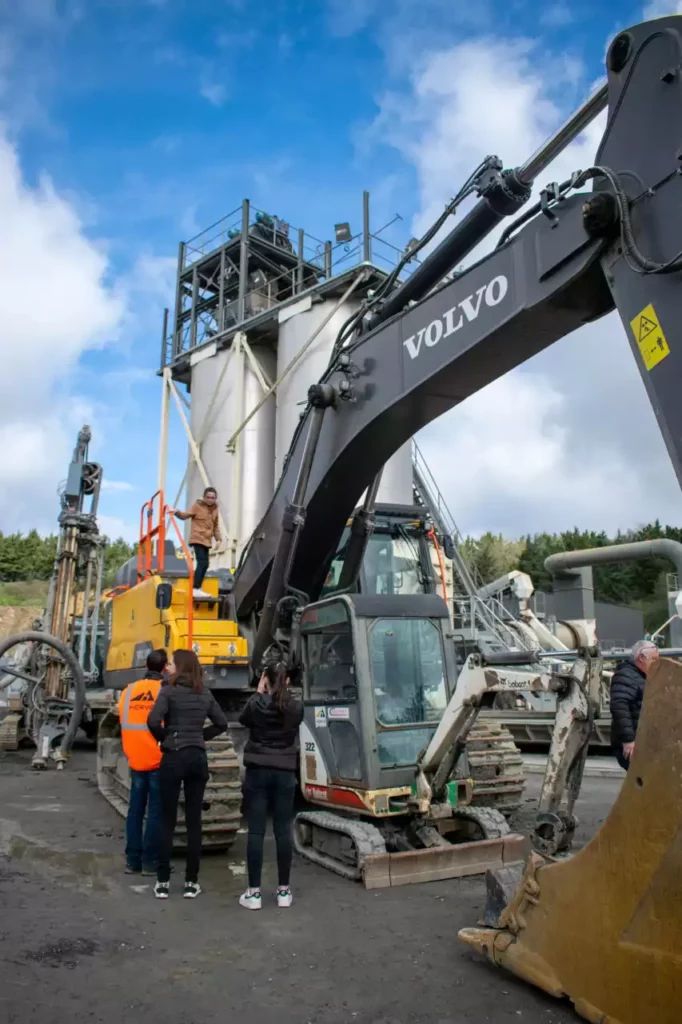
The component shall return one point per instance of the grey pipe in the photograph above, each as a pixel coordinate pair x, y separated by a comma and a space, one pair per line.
563, 136
564, 561
79, 695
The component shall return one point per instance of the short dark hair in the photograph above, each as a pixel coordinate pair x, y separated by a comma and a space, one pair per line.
157, 660
189, 669
210, 490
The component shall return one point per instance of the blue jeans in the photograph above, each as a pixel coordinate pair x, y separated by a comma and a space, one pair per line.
144, 795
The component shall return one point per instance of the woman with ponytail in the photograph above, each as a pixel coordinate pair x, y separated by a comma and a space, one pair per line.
272, 717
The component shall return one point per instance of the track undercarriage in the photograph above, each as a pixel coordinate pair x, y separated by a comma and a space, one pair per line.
495, 766
222, 800
406, 850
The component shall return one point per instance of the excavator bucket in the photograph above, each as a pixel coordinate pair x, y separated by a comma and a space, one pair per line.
604, 928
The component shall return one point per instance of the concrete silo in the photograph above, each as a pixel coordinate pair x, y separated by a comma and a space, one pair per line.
251, 294
225, 389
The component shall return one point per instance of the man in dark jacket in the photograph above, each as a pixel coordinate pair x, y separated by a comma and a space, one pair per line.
627, 694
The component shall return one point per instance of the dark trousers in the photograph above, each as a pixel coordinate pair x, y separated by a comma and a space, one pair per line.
201, 555
189, 768
143, 850
269, 790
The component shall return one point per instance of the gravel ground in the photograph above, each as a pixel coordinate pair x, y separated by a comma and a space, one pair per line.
82, 942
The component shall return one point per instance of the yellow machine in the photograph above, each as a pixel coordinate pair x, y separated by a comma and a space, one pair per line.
152, 607
138, 625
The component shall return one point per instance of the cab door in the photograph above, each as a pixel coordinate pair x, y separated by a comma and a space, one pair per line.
332, 751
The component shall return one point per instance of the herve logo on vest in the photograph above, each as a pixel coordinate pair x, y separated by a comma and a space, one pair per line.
148, 696
466, 311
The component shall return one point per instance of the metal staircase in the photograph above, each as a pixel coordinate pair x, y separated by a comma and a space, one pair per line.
475, 617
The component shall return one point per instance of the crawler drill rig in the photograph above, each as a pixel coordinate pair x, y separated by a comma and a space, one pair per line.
57, 659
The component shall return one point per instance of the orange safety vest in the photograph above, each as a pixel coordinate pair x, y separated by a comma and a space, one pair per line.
139, 746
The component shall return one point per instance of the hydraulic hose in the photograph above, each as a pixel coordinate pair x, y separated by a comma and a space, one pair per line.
69, 657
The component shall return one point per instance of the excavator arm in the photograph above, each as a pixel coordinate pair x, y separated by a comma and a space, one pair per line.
564, 264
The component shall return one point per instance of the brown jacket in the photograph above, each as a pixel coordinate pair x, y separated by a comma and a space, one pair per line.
204, 523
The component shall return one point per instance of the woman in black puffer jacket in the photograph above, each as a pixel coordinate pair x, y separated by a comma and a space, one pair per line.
177, 722
273, 717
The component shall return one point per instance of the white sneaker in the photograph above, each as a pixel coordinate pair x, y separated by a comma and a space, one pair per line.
284, 898
199, 593
192, 890
161, 890
252, 901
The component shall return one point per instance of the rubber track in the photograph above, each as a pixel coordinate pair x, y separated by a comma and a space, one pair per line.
496, 767
221, 820
492, 823
366, 838
9, 731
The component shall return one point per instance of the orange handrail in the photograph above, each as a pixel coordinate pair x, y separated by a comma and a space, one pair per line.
190, 574
432, 534
144, 548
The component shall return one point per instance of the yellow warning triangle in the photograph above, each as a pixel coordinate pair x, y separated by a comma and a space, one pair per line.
646, 326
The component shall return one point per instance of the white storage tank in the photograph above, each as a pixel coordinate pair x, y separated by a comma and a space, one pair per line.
295, 328
252, 469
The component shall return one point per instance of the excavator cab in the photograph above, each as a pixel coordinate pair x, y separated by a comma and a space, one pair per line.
377, 678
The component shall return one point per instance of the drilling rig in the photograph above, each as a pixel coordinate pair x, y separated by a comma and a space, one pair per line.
56, 661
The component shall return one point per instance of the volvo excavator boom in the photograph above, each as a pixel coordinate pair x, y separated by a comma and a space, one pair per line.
565, 263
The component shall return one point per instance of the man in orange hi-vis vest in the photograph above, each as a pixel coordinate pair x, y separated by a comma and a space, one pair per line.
144, 758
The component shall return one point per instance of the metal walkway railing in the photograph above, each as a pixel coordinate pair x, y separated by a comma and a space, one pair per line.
487, 616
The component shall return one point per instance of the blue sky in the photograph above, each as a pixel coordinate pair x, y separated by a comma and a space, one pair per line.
128, 125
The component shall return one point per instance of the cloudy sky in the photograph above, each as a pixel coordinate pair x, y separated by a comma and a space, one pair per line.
127, 125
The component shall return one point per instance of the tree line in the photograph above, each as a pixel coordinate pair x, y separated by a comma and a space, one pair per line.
27, 557
638, 584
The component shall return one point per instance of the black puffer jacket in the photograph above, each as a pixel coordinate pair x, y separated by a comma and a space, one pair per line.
273, 734
178, 716
627, 693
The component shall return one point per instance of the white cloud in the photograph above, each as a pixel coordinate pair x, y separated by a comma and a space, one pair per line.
659, 8
54, 305
214, 92
114, 528
569, 439
557, 15
349, 16
117, 486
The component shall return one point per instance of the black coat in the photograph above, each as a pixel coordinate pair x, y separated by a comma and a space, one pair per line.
273, 734
178, 716
627, 693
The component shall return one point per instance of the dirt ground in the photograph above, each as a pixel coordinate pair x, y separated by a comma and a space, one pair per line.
82, 942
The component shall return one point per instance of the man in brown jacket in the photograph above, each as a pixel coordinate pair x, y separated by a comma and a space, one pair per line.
205, 527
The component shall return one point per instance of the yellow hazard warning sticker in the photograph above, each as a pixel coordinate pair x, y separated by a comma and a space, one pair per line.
650, 337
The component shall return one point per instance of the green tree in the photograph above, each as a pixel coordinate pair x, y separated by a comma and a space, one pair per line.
491, 556
31, 557
116, 553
